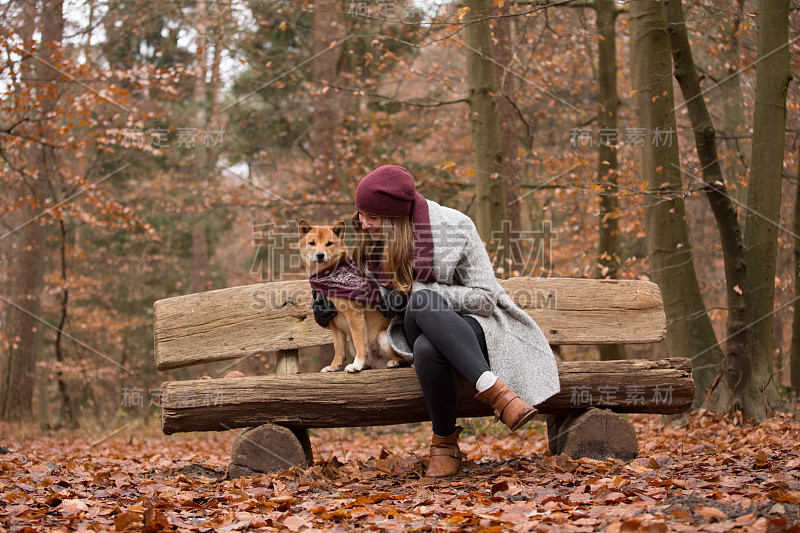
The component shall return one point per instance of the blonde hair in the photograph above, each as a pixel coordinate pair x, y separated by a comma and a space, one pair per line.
394, 252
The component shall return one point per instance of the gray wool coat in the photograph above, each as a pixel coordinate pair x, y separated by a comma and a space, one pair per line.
519, 353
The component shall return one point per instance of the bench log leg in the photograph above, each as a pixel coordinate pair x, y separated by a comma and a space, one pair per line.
269, 448
287, 361
595, 433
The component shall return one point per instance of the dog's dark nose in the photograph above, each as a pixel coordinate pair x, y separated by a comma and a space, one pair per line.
320, 256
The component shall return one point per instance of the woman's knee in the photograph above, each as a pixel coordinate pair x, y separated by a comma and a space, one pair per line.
425, 354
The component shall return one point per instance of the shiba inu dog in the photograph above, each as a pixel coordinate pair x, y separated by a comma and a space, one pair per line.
332, 273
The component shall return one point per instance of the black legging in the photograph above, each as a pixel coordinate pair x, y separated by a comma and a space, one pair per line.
443, 343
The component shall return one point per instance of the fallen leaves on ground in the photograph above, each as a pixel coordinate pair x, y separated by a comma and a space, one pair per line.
701, 473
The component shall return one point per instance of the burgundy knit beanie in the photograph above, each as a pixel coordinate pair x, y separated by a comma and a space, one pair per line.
387, 191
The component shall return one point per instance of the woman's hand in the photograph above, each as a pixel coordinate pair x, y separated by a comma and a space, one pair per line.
324, 309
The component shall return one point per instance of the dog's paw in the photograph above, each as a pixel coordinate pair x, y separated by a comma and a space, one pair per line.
353, 368
331, 369
394, 364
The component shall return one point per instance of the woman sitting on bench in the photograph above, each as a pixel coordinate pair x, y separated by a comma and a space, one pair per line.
450, 314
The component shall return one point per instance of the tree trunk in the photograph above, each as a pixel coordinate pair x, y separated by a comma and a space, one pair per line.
755, 391
795, 350
12, 361
490, 196
19, 356
206, 93
721, 204
327, 115
608, 254
507, 119
734, 127
21, 321
199, 282
689, 330
65, 413
199, 258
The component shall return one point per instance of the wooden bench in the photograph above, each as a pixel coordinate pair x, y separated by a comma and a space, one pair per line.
276, 317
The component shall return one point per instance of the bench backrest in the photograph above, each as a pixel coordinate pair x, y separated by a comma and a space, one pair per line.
267, 317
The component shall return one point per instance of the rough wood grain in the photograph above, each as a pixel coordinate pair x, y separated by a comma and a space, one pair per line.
596, 433
287, 362
385, 397
269, 448
267, 317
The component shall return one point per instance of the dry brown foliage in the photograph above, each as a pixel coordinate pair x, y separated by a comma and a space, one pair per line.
699, 473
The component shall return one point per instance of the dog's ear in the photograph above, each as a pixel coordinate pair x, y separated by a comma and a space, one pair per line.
303, 227
338, 229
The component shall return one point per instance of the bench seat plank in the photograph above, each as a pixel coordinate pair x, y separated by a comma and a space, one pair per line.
245, 321
393, 396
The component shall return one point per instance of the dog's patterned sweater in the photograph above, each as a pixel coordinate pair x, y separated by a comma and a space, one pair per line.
346, 281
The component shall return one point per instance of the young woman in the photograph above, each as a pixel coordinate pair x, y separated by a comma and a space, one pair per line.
450, 315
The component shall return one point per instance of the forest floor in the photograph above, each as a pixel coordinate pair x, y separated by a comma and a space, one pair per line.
697, 473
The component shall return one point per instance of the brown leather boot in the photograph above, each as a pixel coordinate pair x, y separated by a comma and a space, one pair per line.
445, 455
508, 407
